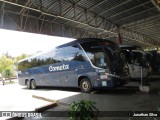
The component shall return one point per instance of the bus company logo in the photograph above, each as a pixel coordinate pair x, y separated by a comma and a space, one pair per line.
58, 68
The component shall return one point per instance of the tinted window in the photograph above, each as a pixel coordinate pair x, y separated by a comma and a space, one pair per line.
73, 53
23, 65
128, 56
55, 56
68, 53
139, 59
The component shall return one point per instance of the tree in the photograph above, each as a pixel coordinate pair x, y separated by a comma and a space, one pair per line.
22, 56
5, 62
8, 65
8, 73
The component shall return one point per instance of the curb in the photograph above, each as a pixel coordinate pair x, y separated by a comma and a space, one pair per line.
39, 109
45, 107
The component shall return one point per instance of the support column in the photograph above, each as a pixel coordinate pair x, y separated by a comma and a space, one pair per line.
119, 38
157, 47
2, 15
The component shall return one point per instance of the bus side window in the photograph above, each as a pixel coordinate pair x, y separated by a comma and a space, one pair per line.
74, 53
59, 55
23, 65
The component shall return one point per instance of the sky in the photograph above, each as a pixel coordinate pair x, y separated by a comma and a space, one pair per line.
17, 43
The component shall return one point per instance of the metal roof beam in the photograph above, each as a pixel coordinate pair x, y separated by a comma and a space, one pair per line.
66, 11
94, 6
146, 28
137, 36
28, 3
56, 16
145, 23
79, 16
151, 30
53, 22
142, 26
151, 34
154, 35
133, 15
142, 21
135, 40
115, 7
78, 2
87, 14
104, 29
129, 9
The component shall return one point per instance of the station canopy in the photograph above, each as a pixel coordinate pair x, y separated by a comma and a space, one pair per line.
134, 21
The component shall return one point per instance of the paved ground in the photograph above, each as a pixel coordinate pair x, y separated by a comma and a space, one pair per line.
127, 98
14, 97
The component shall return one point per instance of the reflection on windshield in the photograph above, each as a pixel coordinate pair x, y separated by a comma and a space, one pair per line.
139, 59
136, 58
98, 58
103, 56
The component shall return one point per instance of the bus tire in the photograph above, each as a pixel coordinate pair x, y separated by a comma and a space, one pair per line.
28, 84
85, 85
33, 84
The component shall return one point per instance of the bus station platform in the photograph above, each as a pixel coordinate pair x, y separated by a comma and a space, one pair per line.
124, 99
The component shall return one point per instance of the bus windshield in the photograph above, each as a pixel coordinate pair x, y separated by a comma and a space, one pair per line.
140, 59
104, 54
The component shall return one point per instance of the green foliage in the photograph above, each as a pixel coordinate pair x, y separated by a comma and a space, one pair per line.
8, 65
83, 110
5, 62
8, 72
23, 56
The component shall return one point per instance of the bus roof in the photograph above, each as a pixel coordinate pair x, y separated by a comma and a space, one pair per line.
81, 40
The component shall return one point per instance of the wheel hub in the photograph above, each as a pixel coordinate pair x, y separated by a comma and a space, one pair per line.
85, 86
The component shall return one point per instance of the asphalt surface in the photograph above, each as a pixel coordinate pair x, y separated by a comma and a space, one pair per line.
126, 98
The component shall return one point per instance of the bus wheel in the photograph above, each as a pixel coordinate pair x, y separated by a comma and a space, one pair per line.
28, 84
33, 84
85, 85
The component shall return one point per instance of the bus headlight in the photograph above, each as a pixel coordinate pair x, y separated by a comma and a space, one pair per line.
104, 76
